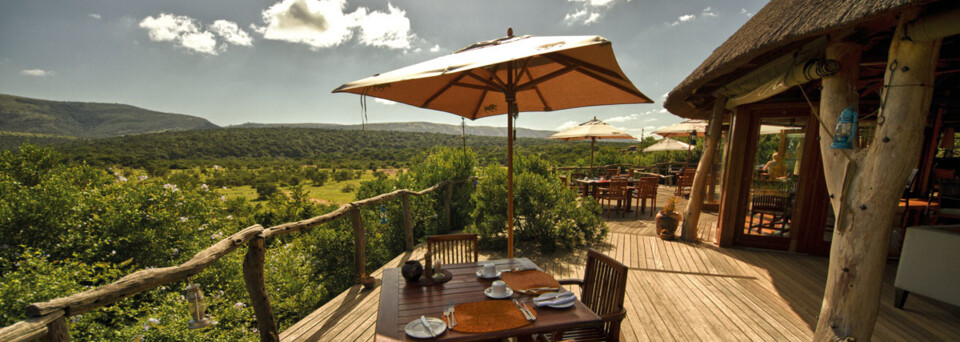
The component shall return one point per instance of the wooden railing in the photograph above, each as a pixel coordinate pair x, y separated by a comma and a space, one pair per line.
48, 319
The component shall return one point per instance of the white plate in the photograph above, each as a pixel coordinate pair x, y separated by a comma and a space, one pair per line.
506, 294
416, 329
552, 295
480, 274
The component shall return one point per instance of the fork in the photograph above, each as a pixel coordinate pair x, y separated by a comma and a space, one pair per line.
453, 314
446, 316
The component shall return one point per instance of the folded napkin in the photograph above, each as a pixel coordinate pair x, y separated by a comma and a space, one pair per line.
560, 299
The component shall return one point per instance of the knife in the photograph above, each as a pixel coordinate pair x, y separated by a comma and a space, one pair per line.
523, 311
427, 325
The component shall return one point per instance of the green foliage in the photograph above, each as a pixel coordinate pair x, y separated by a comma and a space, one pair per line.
343, 175
265, 188
547, 215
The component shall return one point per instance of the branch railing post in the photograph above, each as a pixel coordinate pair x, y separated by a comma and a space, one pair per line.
254, 279
407, 221
57, 331
359, 243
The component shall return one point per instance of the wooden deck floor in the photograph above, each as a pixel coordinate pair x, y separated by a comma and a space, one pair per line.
683, 292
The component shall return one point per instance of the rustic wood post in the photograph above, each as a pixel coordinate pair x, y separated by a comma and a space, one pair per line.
866, 188
57, 331
407, 220
731, 213
447, 198
359, 243
254, 279
691, 216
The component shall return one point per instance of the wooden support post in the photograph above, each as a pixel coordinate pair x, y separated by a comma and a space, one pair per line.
731, 213
57, 331
864, 197
691, 216
254, 279
359, 243
447, 198
407, 221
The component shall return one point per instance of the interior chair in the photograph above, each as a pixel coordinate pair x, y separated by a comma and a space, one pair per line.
769, 202
947, 200
602, 290
451, 249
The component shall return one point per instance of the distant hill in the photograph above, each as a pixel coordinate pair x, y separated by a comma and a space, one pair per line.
416, 127
88, 119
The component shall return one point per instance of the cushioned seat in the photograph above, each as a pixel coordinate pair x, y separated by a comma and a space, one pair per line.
928, 264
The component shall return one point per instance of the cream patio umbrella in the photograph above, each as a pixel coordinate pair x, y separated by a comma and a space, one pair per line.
506, 76
667, 144
593, 130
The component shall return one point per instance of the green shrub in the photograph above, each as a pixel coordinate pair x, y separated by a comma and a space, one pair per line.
265, 189
343, 175
547, 215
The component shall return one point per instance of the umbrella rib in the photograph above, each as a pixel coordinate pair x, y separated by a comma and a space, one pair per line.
567, 60
441, 91
589, 70
537, 90
479, 103
533, 82
614, 84
491, 85
492, 79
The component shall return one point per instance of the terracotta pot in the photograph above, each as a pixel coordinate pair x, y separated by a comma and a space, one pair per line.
667, 225
368, 282
411, 271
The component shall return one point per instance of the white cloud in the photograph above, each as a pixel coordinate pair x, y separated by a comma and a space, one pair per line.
587, 12
230, 32
384, 101
435, 48
623, 118
744, 12
567, 124
664, 95
683, 18
94, 15
708, 12
36, 72
187, 32
323, 24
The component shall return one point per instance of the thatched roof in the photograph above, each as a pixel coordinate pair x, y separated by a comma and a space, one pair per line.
778, 28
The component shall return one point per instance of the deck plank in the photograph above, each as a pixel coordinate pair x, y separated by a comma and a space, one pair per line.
679, 291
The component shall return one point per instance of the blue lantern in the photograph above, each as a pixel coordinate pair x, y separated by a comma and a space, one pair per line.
383, 214
846, 131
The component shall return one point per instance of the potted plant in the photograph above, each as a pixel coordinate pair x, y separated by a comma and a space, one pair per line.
668, 219
367, 281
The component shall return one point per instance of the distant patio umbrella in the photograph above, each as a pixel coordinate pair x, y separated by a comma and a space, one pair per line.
683, 129
593, 130
506, 76
667, 144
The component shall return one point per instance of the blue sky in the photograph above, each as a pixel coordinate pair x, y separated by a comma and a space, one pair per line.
277, 61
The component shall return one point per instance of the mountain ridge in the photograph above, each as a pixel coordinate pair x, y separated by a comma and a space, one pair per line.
413, 126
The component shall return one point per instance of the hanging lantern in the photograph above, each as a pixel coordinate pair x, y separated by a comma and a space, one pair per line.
846, 131
383, 214
693, 137
198, 316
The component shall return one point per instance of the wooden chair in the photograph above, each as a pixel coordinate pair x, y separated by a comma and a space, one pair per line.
773, 203
646, 190
616, 191
573, 184
602, 290
948, 201
685, 180
451, 249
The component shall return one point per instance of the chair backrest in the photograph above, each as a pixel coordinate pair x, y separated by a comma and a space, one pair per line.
649, 186
618, 187
949, 193
604, 284
940, 174
452, 248
766, 200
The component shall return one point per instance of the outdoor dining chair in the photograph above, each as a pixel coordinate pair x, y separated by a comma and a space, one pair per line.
685, 180
646, 190
602, 290
616, 191
772, 203
451, 249
947, 201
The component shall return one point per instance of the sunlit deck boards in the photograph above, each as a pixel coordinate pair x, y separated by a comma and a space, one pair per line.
683, 292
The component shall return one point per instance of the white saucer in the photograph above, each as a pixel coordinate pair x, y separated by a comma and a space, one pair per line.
506, 294
554, 294
416, 329
480, 274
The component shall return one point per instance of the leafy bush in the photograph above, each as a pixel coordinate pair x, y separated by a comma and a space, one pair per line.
347, 188
547, 215
343, 175
265, 189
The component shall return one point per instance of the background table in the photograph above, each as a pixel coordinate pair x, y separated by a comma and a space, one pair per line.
401, 303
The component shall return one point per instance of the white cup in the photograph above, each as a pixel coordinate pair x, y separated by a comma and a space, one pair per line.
489, 270
499, 288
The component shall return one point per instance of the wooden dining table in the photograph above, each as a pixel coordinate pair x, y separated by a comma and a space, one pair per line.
591, 187
401, 303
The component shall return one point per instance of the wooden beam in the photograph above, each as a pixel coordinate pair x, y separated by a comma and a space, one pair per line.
57, 331
407, 221
29, 329
254, 280
868, 192
359, 243
691, 216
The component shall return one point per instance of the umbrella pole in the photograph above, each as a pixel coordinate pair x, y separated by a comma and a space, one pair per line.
510, 179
